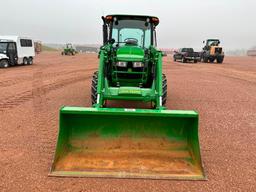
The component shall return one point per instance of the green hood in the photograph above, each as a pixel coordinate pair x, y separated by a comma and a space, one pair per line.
130, 53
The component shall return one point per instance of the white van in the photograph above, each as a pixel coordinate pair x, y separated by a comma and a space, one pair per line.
15, 50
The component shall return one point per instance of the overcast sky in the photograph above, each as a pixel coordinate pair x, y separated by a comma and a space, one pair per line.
182, 22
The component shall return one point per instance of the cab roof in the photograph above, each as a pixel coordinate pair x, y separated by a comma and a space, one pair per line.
153, 19
213, 40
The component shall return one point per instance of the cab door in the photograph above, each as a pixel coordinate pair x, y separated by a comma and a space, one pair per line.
12, 53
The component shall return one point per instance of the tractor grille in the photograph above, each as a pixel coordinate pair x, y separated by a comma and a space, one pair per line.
126, 74
218, 50
129, 76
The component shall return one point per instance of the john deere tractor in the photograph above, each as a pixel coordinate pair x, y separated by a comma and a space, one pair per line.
69, 50
212, 51
128, 142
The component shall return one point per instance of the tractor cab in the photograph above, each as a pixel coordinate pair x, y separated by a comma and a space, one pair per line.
130, 30
211, 43
69, 46
132, 39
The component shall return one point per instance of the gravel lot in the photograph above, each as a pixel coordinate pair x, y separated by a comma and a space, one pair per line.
30, 98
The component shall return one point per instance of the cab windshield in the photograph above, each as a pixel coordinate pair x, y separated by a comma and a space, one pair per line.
69, 46
213, 42
189, 50
133, 32
3, 47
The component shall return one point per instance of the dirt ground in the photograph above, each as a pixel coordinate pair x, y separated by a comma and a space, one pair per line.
30, 98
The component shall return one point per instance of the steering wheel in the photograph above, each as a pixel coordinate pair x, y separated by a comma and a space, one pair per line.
131, 41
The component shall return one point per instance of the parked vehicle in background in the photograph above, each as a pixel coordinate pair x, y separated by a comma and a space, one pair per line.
38, 47
251, 53
69, 50
15, 50
186, 54
212, 51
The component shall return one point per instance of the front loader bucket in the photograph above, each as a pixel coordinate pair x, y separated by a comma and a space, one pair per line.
128, 143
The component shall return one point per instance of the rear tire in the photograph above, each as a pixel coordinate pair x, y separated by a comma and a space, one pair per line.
30, 61
195, 61
94, 88
220, 60
164, 86
25, 61
4, 64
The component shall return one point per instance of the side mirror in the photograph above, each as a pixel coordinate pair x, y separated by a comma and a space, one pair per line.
111, 41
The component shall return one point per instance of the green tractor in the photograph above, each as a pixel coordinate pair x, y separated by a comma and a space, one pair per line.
151, 143
69, 50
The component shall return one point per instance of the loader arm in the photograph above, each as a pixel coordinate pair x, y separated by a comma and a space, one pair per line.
159, 88
101, 80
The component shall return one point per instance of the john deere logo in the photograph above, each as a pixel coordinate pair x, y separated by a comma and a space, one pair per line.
128, 91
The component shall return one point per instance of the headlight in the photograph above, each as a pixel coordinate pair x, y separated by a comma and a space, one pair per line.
138, 64
121, 64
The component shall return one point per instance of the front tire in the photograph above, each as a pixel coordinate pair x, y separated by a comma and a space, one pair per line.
220, 60
205, 59
212, 60
4, 64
